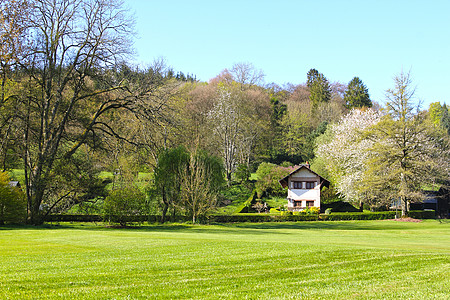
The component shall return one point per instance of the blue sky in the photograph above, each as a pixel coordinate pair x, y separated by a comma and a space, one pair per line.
373, 40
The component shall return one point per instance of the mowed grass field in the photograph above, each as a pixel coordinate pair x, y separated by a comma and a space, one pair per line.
305, 260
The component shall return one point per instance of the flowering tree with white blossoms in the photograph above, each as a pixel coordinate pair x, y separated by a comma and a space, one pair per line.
345, 152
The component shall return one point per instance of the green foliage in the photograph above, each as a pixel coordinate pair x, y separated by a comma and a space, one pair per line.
357, 94
439, 116
274, 211
311, 210
242, 173
13, 206
422, 214
435, 112
286, 213
284, 216
338, 216
167, 178
201, 182
268, 179
310, 143
246, 206
328, 211
319, 88
233, 196
123, 203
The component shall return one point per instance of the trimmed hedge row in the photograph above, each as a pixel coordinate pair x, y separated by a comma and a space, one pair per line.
380, 215
259, 218
422, 214
255, 218
99, 218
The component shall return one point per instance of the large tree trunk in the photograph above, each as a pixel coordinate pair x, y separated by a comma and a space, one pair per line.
404, 207
165, 206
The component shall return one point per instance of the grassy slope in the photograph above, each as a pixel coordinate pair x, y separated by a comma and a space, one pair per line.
316, 260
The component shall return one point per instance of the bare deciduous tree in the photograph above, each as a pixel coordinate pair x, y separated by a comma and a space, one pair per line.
247, 75
73, 79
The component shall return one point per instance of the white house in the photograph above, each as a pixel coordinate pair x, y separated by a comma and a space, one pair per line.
304, 188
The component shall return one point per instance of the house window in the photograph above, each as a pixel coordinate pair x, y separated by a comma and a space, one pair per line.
296, 184
297, 203
310, 185
309, 203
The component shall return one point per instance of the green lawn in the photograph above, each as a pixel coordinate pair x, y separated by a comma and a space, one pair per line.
309, 260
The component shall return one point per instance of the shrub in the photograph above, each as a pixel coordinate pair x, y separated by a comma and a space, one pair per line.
328, 211
123, 204
359, 216
274, 211
286, 213
13, 206
252, 218
311, 210
422, 214
242, 173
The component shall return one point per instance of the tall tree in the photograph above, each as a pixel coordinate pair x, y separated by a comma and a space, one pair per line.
167, 178
71, 85
407, 154
201, 181
237, 119
357, 94
13, 42
345, 153
319, 88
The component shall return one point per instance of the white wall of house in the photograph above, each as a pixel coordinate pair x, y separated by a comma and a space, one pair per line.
300, 195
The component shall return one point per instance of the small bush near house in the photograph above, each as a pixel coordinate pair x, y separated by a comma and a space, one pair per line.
123, 204
13, 205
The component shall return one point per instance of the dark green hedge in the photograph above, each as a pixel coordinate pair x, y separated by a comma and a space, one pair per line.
254, 217
422, 214
98, 218
381, 215
258, 218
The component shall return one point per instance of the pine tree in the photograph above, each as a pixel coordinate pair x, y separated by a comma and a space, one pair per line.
357, 94
319, 88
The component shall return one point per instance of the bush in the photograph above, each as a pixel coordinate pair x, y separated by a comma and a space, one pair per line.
99, 218
328, 211
13, 205
259, 218
311, 210
422, 214
124, 204
242, 173
274, 211
287, 213
382, 215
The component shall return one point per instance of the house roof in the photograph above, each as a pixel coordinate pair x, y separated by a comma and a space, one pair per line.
284, 181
